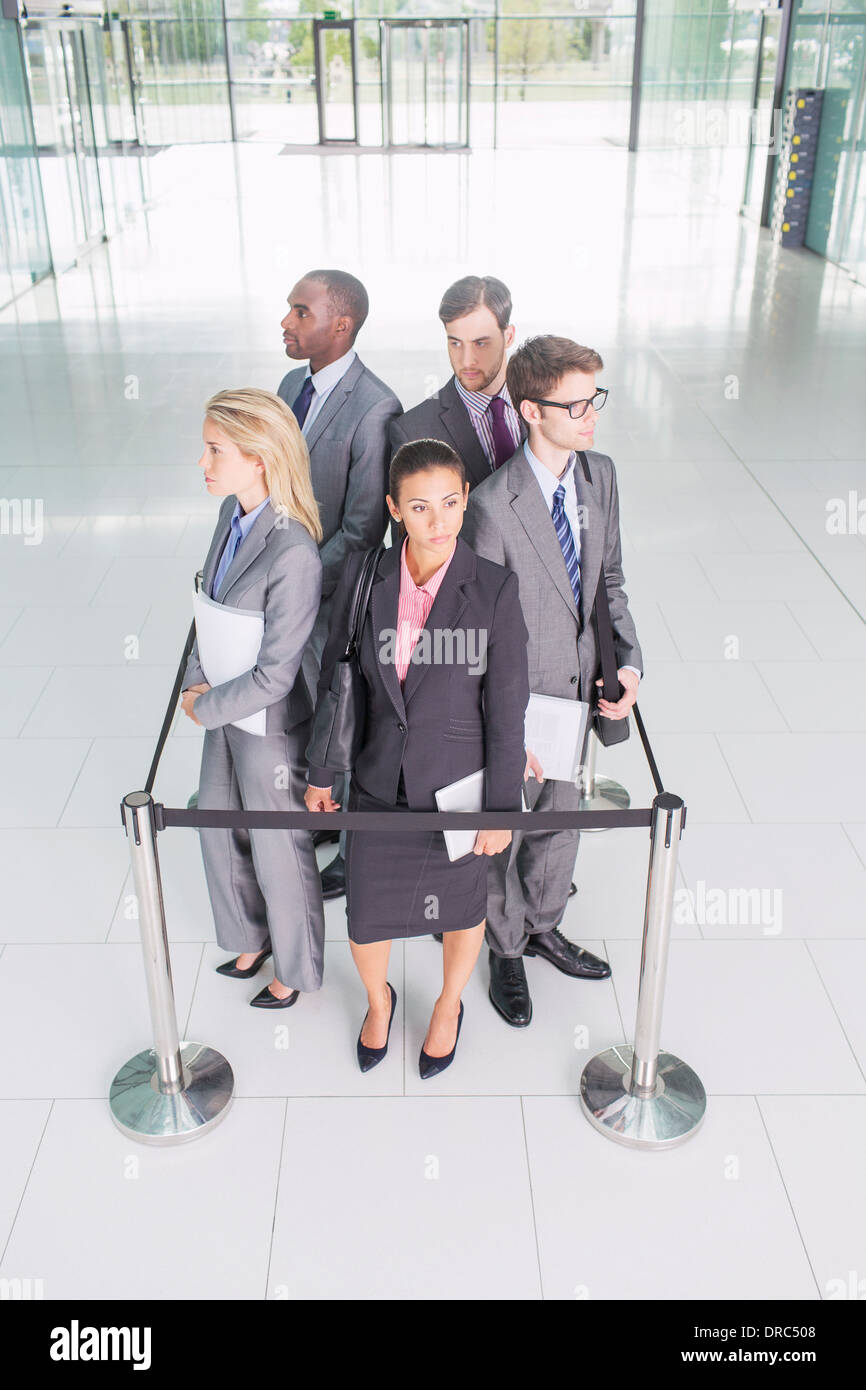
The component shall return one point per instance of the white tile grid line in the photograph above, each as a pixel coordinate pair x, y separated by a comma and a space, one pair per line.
531, 1196
266, 1291
75, 784
832, 1004
787, 1195
860, 855
24, 1187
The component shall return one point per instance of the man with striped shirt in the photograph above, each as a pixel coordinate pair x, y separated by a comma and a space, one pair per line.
473, 411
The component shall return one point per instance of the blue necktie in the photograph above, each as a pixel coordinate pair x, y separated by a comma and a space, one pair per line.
302, 404
566, 543
229, 553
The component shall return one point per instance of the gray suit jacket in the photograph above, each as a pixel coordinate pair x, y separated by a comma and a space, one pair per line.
444, 416
507, 521
349, 459
277, 570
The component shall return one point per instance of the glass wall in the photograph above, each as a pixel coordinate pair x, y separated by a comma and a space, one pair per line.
828, 50
24, 251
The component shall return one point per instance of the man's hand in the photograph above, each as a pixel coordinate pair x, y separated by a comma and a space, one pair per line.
618, 709
188, 699
532, 766
319, 799
491, 841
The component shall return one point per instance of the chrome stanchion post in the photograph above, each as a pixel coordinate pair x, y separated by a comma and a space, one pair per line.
639, 1095
175, 1090
599, 793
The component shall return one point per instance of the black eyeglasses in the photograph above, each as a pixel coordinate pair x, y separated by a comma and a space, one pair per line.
577, 408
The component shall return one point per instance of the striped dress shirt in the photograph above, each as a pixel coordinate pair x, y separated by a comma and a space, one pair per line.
413, 608
477, 405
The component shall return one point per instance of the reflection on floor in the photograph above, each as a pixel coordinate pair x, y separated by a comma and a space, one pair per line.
736, 421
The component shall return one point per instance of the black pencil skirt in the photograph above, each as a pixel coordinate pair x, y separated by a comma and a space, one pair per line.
404, 885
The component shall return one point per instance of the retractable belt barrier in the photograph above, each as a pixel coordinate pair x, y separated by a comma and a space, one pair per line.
637, 1095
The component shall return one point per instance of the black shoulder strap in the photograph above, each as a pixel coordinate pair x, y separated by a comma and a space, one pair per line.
601, 617
361, 597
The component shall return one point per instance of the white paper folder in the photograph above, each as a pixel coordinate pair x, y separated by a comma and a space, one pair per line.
228, 645
465, 795
554, 731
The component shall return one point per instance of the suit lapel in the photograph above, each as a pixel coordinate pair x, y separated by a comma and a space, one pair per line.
459, 427
384, 597
529, 506
336, 398
592, 530
247, 551
445, 611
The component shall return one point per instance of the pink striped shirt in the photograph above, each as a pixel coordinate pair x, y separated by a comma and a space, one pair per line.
413, 608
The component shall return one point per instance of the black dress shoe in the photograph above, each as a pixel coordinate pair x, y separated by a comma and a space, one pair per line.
572, 889
325, 837
266, 1000
333, 878
230, 967
431, 1066
570, 959
509, 992
369, 1057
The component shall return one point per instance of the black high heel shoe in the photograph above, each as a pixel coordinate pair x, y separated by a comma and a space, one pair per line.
266, 999
369, 1057
431, 1066
229, 967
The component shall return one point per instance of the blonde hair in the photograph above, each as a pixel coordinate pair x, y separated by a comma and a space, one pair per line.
262, 426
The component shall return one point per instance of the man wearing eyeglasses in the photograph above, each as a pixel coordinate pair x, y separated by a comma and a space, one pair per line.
540, 516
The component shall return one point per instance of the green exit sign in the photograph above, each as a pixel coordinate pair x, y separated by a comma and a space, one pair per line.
332, 14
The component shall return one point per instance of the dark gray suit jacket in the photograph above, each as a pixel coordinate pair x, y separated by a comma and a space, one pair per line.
444, 416
349, 459
276, 571
447, 721
507, 521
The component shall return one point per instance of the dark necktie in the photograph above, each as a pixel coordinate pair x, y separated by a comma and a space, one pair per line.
302, 404
566, 543
503, 444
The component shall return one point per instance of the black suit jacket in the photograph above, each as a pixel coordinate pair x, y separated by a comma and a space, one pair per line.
445, 417
447, 721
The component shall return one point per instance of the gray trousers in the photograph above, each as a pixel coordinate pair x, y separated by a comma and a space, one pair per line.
527, 888
263, 884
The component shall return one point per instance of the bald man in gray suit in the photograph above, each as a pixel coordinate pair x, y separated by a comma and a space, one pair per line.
543, 518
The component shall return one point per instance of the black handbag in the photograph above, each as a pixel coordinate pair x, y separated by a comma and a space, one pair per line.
338, 723
608, 731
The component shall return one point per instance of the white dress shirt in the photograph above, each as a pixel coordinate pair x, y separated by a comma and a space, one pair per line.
324, 383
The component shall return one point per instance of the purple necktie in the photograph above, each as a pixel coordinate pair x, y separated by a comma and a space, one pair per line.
503, 444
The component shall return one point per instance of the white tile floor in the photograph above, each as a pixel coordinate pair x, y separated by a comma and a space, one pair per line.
488, 1181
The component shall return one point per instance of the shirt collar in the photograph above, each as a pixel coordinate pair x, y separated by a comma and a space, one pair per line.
329, 376
476, 401
435, 579
546, 480
243, 521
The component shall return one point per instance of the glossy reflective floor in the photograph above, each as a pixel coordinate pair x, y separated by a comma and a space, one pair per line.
736, 421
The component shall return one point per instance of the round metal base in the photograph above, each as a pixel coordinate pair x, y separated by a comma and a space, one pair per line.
659, 1121
143, 1112
607, 795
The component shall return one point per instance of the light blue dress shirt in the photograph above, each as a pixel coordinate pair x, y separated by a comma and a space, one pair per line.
240, 529
324, 383
548, 482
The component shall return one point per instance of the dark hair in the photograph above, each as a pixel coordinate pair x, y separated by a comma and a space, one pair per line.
346, 295
418, 456
539, 364
467, 294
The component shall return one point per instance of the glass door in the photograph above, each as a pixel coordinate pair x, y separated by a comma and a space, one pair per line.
65, 139
765, 129
426, 67
336, 85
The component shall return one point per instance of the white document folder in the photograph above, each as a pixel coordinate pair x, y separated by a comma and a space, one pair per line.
228, 645
465, 795
554, 731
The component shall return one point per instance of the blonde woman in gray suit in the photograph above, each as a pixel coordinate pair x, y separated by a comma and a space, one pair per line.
264, 885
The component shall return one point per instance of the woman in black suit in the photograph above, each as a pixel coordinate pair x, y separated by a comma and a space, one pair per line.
443, 656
